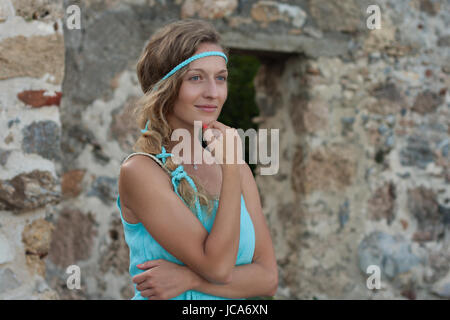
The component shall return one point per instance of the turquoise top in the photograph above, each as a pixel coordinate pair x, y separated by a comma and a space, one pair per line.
144, 247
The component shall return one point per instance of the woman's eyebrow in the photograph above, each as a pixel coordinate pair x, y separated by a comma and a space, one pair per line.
201, 70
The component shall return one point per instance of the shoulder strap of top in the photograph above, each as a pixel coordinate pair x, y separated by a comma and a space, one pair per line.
151, 156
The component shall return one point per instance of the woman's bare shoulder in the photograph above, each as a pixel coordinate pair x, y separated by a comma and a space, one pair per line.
143, 169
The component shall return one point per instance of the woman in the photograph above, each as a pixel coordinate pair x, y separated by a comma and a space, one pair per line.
195, 231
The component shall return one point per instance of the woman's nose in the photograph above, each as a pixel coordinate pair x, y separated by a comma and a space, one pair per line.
211, 89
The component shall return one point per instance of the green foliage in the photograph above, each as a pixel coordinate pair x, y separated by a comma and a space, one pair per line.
240, 106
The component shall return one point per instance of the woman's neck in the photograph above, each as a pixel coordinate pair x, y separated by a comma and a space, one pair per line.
190, 146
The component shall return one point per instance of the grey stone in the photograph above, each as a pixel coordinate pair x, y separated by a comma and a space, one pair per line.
8, 280
43, 138
444, 41
427, 102
416, 153
403, 111
390, 140
328, 15
429, 6
382, 129
4, 155
391, 253
347, 124
433, 126
374, 57
348, 120
445, 150
110, 40
105, 188
29, 191
344, 213
442, 287
404, 175
365, 118
41, 286
6, 254
11, 122
332, 45
423, 205
445, 211
390, 119
268, 104
74, 140
387, 91
443, 145
313, 32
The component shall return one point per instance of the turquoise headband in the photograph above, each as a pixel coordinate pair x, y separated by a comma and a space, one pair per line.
197, 56
183, 64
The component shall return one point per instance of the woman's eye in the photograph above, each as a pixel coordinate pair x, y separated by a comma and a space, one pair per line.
223, 78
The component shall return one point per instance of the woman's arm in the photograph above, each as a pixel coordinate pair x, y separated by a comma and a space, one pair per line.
162, 279
259, 278
248, 280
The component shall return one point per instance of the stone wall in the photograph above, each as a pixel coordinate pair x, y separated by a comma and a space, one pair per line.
364, 126
31, 75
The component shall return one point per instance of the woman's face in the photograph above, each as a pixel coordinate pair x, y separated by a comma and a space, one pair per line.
206, 85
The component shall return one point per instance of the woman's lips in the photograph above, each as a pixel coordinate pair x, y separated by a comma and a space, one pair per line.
207, 109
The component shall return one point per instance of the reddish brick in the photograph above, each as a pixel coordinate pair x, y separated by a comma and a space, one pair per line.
37, 98
71, 183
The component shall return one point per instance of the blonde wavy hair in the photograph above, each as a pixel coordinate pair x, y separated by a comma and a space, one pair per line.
168, 47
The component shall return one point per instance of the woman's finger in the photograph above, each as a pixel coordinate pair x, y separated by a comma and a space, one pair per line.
208, 135
147, 293
144, 285
217, 125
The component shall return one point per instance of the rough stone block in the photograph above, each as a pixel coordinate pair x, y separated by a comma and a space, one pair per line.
48, 57
28, 191
381, 204
423, 205
6, 250
323, 169
43, 138
8, 280
39, 9
426, 102
208, 9
392, 254
105, 188
71, 183
417, 152
72, 238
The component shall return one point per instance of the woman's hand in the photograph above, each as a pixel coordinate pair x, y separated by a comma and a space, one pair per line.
224, 143
163, 279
